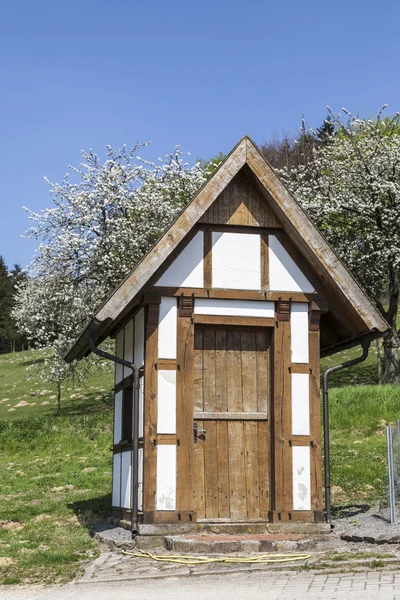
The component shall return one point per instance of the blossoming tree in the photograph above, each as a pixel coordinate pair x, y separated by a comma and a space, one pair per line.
350, 187
104, 218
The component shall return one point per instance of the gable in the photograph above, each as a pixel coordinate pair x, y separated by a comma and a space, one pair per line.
245, 193
240, 204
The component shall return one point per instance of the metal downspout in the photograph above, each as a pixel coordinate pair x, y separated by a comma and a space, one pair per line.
135, 427
365, 344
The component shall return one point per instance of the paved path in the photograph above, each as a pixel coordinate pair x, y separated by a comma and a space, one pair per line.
240, 586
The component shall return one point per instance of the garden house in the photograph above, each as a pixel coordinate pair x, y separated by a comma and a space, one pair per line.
225, 320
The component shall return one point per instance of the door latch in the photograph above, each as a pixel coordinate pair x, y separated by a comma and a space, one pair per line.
198, 433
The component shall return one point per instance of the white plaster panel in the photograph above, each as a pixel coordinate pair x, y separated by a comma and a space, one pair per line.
128, 346
284, 274
299, 332
187, 270
167, 328
236, 261
140, 479
119, 352
239, 308
116, 485
126, 479
117, 417
166, 477
139, 339
300, 404
141, 418
301, 478
166, 405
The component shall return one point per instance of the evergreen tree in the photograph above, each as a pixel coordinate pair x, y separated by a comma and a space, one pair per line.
6, 301
325, 133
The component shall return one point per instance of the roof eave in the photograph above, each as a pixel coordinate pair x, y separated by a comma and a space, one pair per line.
95, 330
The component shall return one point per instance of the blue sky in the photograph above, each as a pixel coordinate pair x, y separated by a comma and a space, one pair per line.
82, 74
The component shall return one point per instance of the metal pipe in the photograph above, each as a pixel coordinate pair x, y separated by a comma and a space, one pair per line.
135, 427
327, 458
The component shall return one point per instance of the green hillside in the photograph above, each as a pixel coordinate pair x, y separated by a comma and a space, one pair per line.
24, 395
56, 471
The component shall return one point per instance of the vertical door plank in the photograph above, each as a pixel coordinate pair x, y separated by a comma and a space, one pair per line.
263, 467
249, 377
234, 370
237, 478
223, 470
209, 369
263, 375
221, 397
211, 469
252, 471
198, 477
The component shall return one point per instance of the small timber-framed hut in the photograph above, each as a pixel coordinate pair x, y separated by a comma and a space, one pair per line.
225, 320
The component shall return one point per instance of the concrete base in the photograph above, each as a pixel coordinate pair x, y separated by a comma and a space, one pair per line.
217, 538
161, 529
247, 544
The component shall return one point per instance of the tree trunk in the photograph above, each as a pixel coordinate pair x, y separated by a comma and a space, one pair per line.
58, 397
391, 358
379, 360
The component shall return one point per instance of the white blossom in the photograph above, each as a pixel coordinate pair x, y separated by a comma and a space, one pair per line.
351, 190
105, 217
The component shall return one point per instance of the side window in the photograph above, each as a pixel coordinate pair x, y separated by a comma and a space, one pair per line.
127, 412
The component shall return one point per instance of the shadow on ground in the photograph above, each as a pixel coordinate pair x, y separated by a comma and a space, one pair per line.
92, 512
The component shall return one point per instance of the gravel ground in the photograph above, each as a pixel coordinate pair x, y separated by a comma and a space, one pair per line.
373, 524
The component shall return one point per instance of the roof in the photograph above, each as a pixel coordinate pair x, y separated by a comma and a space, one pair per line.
294, 220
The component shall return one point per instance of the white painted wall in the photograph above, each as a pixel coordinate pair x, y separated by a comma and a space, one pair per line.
116, 487
236, 261
300, 404
167, 325
166, 405
119, 352
301, 478
128, 347
140, 479
126, 479
139, 339
299, 332
166, 477
118, 417
239, 308
284, 274
187, 270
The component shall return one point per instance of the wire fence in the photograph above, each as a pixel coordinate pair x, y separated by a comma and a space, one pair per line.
393, 448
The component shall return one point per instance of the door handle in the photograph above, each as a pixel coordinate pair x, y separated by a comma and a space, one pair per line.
198, 433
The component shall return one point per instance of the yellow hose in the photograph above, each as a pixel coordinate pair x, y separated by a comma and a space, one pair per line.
202, 560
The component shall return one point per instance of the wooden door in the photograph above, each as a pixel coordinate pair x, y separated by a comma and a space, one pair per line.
231, 401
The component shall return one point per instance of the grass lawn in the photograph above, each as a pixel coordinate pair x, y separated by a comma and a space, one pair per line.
22, 398
56, 471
